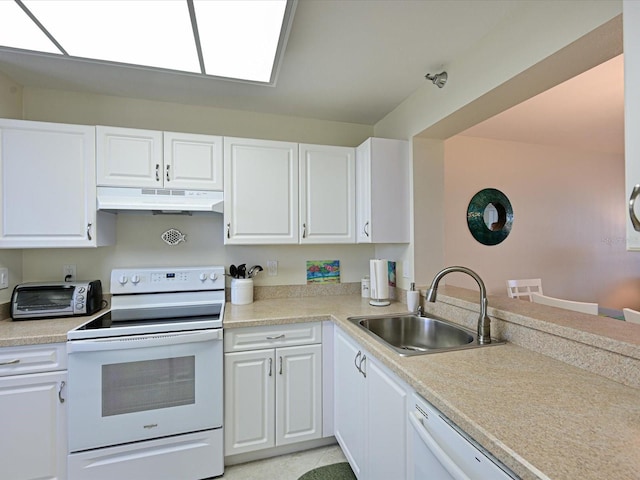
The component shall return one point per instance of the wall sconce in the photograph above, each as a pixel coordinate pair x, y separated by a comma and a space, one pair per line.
439, 79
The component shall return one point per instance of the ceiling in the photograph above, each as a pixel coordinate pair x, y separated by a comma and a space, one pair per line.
345, 60
355, 61
585, 112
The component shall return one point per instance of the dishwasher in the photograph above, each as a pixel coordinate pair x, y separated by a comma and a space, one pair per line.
439, 450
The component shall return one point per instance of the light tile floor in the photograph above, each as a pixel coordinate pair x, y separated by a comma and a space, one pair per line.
285, 467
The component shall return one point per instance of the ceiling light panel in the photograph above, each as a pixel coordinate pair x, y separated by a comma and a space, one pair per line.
239, 39
149, 33
17, 30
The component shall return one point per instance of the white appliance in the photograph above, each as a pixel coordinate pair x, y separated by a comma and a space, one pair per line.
146, 379
159, 200
439, 450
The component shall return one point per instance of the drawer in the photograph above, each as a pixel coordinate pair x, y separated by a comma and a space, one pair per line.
254, 338
33, 359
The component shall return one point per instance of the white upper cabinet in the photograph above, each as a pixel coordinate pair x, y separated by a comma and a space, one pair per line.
382, 186
260, 191
128, 157
631, 20
48, 187
327, 194
282, 192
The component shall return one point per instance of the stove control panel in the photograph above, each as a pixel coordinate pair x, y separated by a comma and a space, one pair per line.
166, 279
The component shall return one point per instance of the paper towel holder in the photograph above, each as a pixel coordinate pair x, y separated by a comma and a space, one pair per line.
374, 289
379, 302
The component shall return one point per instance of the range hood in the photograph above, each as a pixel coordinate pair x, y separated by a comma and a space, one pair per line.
159, 200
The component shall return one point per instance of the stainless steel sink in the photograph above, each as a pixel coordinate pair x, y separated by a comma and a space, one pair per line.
418, 335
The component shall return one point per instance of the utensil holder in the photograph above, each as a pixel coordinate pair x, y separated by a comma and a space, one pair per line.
241, 291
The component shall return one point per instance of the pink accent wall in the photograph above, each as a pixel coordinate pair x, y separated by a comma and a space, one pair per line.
569, 220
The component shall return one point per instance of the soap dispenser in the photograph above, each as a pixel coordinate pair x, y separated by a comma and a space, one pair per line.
413, 298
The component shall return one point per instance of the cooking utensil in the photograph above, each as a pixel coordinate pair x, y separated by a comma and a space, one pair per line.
233, 271
253, 271
242, 271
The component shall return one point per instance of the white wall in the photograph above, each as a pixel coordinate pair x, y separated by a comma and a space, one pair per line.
10, 107
569, 220
543, 44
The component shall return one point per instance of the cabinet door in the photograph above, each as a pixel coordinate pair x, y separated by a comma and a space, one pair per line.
249, 392
128, 157
298, 394
260, 191
34, 428
382, 184
363, 193
386, 424
350, 402
327, 194
631, 19
192, 161
47, 185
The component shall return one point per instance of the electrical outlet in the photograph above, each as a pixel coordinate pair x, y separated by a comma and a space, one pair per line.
272, 268
69, 273
4, 278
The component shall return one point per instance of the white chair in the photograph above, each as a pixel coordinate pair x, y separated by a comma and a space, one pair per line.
524, 288
630, 315
584, 307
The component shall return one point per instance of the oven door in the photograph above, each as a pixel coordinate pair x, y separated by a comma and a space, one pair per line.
138, 387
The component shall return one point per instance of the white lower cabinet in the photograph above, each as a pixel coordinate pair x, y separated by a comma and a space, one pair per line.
370, 412
273, 395
33, 415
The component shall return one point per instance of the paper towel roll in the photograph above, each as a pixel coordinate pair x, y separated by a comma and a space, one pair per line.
379, 276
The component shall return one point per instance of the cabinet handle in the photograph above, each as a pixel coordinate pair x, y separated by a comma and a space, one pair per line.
168, 177
276, 337
632, 200
62, 385
366, 232
363, 371
11, 362
280, 372
270, 366
228, 230
304, 230
89, 231
355, 361
157, 172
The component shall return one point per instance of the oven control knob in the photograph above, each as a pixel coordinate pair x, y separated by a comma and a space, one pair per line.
213, 277
203, 277
122, 279
135, 279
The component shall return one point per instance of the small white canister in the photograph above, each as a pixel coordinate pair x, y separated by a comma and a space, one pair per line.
241, 291
365, 287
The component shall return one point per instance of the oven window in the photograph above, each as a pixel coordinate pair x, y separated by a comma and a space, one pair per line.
148, 385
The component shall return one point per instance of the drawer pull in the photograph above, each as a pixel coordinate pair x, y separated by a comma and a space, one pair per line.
276, 337
11, 362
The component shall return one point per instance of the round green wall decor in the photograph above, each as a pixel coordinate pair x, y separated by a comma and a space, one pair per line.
489, 216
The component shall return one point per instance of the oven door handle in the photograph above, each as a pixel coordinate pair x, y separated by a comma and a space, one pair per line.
140, 341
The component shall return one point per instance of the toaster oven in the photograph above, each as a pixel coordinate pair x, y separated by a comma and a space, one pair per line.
55, 299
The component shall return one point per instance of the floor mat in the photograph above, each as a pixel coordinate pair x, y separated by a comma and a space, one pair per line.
336, 471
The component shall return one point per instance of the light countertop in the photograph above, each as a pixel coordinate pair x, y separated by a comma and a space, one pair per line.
542, 417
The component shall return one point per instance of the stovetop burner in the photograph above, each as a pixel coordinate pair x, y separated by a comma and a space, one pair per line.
159, 300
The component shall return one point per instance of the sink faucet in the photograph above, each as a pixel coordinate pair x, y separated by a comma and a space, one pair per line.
484, 329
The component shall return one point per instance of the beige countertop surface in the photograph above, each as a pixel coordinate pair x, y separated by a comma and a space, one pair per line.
540, 416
